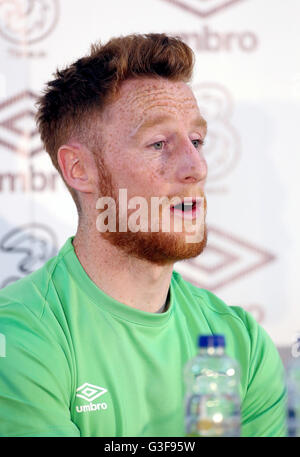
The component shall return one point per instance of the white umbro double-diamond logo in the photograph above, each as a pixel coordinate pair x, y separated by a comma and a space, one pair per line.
89, 392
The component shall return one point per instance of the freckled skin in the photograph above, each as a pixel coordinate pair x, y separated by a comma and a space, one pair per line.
128, 158
133, 163
118, 262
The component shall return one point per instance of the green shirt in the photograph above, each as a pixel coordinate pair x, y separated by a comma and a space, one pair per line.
79, 363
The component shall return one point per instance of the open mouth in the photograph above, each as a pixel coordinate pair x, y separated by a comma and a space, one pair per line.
187, 209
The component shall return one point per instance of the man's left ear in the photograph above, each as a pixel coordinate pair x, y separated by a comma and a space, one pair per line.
76, 164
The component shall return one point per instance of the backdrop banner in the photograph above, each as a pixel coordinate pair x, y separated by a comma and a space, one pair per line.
247, 83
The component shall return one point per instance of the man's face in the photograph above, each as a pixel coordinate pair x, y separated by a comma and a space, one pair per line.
152, 138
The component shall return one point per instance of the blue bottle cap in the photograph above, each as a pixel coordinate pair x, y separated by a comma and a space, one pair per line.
215, 341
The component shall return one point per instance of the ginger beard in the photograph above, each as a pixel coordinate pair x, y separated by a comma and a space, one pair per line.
160, 248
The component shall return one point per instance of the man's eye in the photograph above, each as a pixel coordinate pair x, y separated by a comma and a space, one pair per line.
197, 143
158, 145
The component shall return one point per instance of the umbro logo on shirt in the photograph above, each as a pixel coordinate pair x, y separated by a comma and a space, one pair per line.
89, 393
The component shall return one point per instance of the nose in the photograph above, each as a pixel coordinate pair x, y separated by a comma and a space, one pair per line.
191, 165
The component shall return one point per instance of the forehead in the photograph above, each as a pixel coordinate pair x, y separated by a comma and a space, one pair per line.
141, 98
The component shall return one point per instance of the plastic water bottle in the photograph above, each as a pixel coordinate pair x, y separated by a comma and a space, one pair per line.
293, 388
212, 399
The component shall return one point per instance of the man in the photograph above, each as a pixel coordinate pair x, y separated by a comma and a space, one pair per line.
97, 338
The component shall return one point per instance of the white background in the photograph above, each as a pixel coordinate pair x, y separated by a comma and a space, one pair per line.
252, 103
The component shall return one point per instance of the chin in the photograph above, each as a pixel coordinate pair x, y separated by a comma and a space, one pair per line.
159, 248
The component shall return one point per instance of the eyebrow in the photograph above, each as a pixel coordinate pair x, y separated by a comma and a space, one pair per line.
148, 123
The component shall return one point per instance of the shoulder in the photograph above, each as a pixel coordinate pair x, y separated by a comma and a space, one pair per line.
22, 312
246, 339
30, 313
212, 305
27, 294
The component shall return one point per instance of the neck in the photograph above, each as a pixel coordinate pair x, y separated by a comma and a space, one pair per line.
135, 282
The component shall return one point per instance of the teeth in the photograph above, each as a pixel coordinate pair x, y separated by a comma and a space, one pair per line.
187, 206
184, 206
